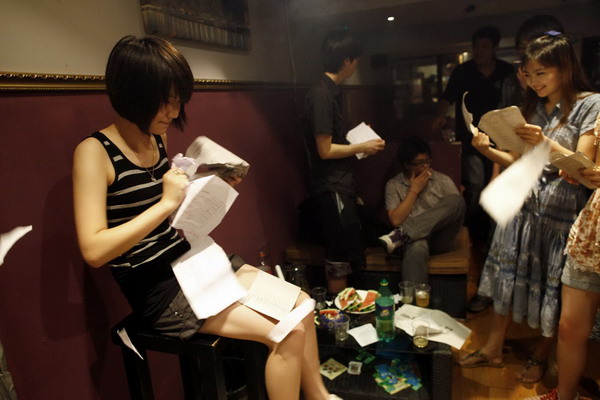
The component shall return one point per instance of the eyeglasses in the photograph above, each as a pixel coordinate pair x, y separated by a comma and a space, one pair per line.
419, 163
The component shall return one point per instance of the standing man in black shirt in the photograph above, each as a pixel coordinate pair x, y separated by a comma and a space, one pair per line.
482, 77
332, 158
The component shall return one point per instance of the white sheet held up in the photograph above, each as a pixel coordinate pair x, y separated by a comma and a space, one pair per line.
505, 195
360, 134
8, 239
206, 278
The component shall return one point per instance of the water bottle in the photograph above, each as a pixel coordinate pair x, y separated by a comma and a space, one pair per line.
263, 264
384, 312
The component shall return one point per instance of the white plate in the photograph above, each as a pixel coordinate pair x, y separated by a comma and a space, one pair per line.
362, 294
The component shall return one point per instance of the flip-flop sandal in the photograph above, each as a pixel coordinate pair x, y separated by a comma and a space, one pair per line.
532, 363
478, 359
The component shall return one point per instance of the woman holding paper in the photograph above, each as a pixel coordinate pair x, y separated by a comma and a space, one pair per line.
523, 269
124, 193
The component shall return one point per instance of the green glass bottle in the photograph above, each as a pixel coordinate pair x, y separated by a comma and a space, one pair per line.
384, 312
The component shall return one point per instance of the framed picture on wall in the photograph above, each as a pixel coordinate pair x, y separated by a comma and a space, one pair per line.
217, 22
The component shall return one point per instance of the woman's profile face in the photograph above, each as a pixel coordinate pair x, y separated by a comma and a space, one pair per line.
545, 81
165, 115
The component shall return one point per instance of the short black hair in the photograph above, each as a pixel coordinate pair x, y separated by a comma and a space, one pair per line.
141, 73
409, 148
337, 46
536, 26
487, 32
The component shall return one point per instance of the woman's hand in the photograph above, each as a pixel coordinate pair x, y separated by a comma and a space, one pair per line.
418, 182
481, 142
592, 174
174, 183
233, 180
531, 134
568, 177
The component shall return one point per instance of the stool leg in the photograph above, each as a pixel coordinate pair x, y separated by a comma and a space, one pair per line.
191, 377
213, 377
254, 362
138, 374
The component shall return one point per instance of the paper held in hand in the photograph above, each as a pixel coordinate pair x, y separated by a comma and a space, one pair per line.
572, 164
499, 125
360, 134
211, 158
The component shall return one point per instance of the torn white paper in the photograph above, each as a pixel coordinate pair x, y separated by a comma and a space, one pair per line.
468, 116
216, 159
572, 164
360, 134
364, 334
8, 239
271, 296
206, 202
206, 278
285, 325
127, 341
443, 328
505, 195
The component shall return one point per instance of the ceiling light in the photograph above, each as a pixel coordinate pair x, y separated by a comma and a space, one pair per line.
391, 19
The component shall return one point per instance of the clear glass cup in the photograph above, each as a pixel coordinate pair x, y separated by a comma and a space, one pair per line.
319, 293
422, 293
420, 333
341, 325
406, 292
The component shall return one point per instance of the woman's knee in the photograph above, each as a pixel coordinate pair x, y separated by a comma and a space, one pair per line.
570, 330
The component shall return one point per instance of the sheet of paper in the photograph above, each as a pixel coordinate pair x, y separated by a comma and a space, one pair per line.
468, 116
206, 278
360, 134
216, 158
572, 164
500, 125
289, 321
8, 239
504, 196
127, 341
443, 328
364, 334
206, 202
271, 296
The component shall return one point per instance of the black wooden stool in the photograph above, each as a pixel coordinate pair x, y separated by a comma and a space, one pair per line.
199, 359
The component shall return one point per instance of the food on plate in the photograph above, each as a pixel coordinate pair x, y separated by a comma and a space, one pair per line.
351, 300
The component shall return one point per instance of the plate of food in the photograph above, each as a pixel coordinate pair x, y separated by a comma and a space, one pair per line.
356, 301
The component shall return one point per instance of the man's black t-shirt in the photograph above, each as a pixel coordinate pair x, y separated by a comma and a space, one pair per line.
484, 95
323, 115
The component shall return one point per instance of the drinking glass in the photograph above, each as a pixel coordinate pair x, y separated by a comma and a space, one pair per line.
340, 327
319, 293
422, 291
420, 333
407, 292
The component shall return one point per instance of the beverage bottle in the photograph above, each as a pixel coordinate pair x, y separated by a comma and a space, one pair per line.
384, 312
263, 264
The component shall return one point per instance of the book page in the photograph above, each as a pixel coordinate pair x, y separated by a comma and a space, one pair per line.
206, 202
360, 134
572, 164
500, 125
211, 157
468, 116
8, 239
504, 196
271, 296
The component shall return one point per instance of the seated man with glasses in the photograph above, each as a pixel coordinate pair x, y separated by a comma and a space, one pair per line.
425, 207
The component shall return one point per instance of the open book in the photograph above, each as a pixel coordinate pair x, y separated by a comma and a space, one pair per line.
212, 158
499, 125
572, 164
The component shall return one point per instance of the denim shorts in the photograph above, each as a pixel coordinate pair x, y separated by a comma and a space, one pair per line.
578, 279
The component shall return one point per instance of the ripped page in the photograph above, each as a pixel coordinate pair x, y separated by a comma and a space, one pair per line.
572, 164
293, 318
207, 279
127, 341
211, 158
8, 239
206, 202
504, 196
360, 134
271, 296
468, 116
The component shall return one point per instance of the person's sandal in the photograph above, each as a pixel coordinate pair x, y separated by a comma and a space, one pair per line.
526, 376
478, 359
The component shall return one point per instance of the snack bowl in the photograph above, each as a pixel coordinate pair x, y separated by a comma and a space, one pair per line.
327, 317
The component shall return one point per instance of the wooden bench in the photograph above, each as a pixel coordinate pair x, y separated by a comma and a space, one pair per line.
447, 271
200, 361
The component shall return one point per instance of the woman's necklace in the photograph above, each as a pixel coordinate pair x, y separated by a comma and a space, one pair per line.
153, 164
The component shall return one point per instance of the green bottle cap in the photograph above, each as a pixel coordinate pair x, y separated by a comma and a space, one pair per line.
383, 282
